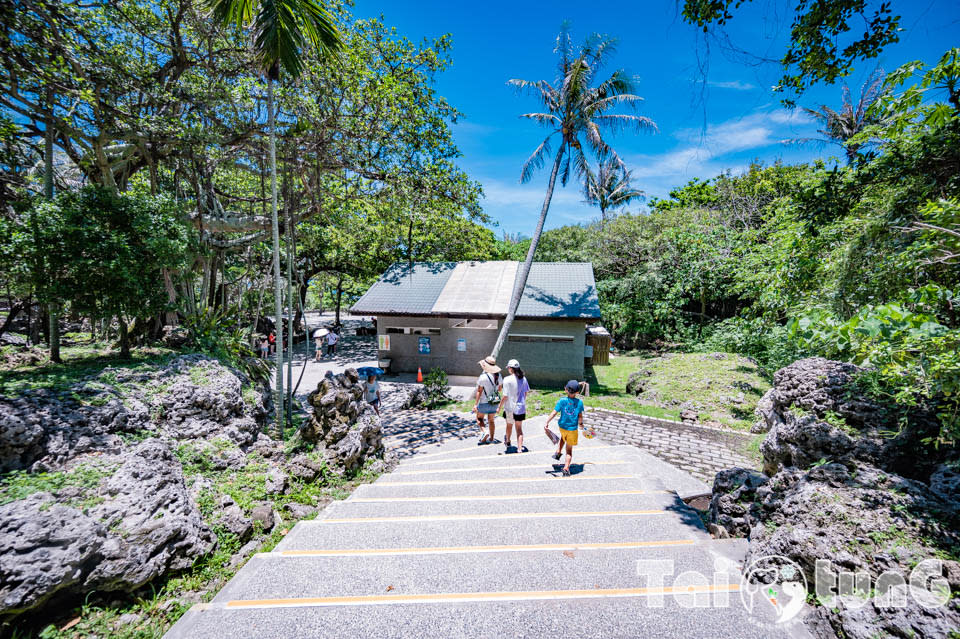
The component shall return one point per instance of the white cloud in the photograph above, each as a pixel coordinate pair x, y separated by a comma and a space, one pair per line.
736, 85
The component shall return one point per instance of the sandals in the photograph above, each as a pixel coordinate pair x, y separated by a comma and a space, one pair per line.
486, 439
524, 450
566, 472
556, 456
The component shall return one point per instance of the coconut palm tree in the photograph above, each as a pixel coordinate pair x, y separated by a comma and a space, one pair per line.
577, 115
281, 30
610, 188
837, 127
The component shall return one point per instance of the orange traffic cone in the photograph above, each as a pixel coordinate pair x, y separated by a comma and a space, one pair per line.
419, 375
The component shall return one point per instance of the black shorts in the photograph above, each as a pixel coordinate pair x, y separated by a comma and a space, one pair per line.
517, 417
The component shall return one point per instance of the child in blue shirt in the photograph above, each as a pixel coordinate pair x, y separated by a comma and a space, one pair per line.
570, 409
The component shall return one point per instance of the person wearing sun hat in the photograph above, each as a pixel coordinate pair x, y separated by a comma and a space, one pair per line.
487, 397
514, 404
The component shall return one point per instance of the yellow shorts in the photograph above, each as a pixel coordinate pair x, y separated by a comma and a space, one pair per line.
569, 436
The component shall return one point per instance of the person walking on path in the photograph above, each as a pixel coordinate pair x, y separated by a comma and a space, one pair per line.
570, 409
332, 339
514, 404
264, 347
272, 339
371, 392
487, 398
318, 343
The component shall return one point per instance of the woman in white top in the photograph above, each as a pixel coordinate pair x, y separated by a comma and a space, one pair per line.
514, 404
487, 398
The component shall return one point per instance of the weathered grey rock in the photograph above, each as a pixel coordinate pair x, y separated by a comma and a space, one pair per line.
416, 398
815, 412
767, 416
276, 482
342, 423
945, 482
689, 416
859, 519
147, 525
733, 505
304, 468
45, 548
232, 518
154, 525
193, 397
362, 440
263, 513
300, 511
637, 382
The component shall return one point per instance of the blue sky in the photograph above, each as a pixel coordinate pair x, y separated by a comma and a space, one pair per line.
738, 119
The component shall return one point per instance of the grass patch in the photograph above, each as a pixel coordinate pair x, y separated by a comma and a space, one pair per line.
79, 362
607, 390
726, 390
19, 484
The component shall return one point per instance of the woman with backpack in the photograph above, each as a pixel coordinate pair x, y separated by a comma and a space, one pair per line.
487, 398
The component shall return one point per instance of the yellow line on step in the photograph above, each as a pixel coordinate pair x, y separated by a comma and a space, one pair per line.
514, 480
447, 597
614, 462
598, 493
455, 550
594, 513
420, 456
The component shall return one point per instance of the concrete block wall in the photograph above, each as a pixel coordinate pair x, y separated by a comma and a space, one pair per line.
548, 364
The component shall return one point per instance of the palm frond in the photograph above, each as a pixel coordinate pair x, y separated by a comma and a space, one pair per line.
543, 119
235, 12
535, 161
620, 121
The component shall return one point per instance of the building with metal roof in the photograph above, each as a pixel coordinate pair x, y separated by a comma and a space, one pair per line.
448, 314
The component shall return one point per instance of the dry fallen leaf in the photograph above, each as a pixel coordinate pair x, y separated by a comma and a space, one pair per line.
568, 553
284, 531
71, 624
389, 588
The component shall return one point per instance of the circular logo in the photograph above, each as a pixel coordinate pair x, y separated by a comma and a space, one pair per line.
773, 588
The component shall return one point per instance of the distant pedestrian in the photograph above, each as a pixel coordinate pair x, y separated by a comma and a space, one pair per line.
514, 404
272, 339
264, 347
318, 344
487, 398
332, 339
371, 392
570, 409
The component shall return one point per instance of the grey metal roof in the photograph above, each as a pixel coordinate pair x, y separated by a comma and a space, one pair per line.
402, 289
553, 290
560, 289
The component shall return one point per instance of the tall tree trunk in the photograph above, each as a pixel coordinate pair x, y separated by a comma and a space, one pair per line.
11, 315
521, 282
124, 337
339, 296
52, 306
289, 223
280, 409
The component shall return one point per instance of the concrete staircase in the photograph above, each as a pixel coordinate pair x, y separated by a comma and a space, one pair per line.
465, 541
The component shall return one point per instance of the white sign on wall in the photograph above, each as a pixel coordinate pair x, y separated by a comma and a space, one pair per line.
462, 344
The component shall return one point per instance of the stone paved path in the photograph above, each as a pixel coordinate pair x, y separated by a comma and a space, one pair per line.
700, 451
462, 540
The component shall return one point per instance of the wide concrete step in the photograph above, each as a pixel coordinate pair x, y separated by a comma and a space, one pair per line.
497, 455
299, 576
538, 614
496, 469
513, 528
486, 504
539, 485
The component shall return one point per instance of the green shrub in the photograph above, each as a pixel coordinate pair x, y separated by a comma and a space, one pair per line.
220, 333
912, 358
766, 342
438, 390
